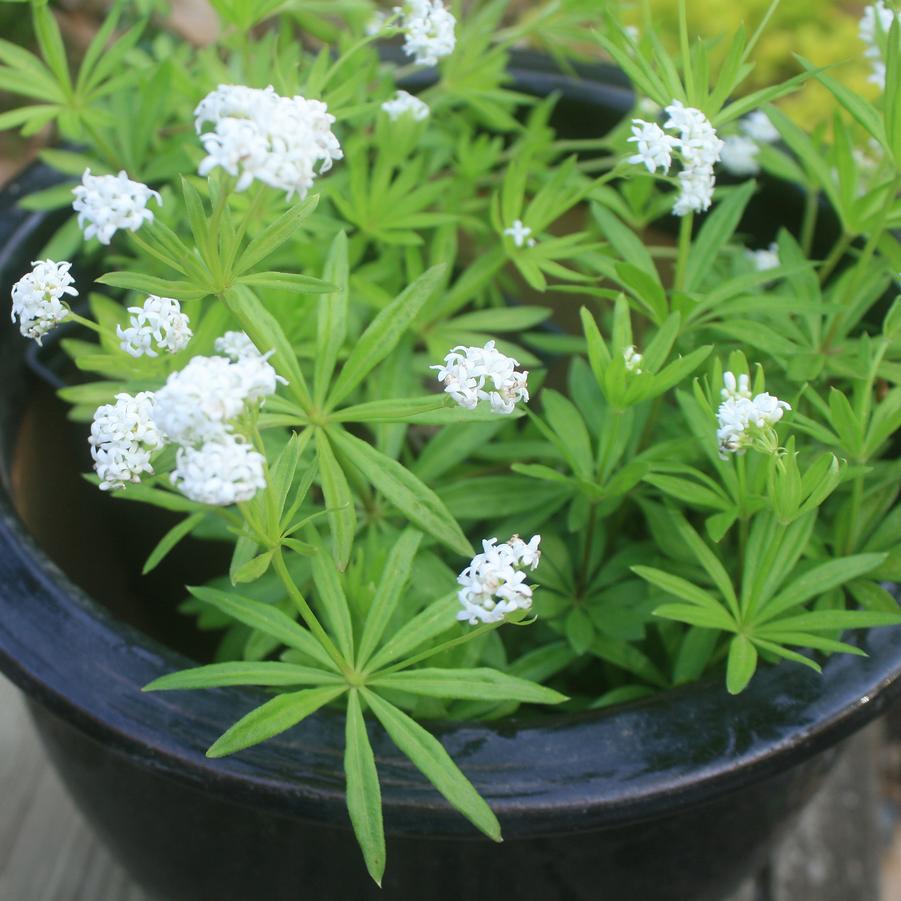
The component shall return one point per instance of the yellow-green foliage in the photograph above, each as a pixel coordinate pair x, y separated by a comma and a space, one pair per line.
823, 31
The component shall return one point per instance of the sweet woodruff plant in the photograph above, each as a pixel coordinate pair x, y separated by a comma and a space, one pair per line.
322, 336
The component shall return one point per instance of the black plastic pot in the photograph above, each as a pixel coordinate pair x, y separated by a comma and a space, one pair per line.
675, 798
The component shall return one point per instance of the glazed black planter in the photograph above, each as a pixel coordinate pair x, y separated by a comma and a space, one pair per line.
675, 798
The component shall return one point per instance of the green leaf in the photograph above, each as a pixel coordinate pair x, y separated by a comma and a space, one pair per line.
389, 592
741, 664
252, 570
817, 581
332, 600
283, 229
51, 43
428, 755
218, 675
696, 616
339, 500
480, 684
267, 334
682, 588
566, 421
364, 797
287, 281
705, 556
827, 620
384, 332
265, 618
715, 233
169, 540
427, 625
331, 319
416, 501
273, 717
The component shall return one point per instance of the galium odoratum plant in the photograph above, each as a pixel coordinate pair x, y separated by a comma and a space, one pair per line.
312, 341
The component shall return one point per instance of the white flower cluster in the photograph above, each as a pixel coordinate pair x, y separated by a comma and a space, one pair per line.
521, 234
258, 134
159, 322
739, 155
123, 438
222, 471
195, 409
199, 402
758, 128
428, 30
472, 374
632, 359
106, 203
38, 298
765, 259
405, 104
874, 25
698, 147
746, 421
494, 583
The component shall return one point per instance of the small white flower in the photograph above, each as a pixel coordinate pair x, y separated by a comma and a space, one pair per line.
377, 23
236, 346
428, 30
159, 321
38, 298
654, 146
765, 259
123, 439
260, 135
696, 191
472, 374
874, 25
744, 421
739, 155
649, 107
521, 234
735, 388
758, 128
405, 104
106, 203
223, 471
199, 402
494, 583
632, 359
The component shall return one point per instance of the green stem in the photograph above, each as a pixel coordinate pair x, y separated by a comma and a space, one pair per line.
685, 226
444, 646
306, 612
854, 516
838, 251
809, 223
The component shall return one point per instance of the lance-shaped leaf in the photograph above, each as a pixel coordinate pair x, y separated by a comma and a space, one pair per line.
274, 235
342, 514
411, 496
741, 664
364, 797
480, 684
333, 602
170, 540
241, 672
389, 592
273, 717
331, 318
427, 625
428, 755
265, 618
384, 332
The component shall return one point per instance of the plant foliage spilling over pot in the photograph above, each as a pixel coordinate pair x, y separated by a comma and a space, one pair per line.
373, 340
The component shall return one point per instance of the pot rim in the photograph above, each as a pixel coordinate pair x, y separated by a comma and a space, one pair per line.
566, 772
